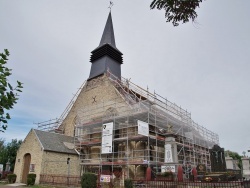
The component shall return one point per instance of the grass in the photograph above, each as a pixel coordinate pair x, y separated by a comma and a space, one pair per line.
41, 186
33, 186
3, 182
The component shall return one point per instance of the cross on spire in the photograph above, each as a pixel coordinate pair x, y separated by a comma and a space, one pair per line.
110, 5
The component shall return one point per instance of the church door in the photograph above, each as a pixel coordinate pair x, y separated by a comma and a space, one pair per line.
26, 167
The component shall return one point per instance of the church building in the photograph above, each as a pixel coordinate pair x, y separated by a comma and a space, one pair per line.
116, 129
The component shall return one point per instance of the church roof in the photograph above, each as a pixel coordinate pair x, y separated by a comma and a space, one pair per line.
55, 142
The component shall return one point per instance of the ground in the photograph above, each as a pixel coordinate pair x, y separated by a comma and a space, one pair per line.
35, 186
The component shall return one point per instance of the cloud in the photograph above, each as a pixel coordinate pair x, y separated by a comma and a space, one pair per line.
204, 69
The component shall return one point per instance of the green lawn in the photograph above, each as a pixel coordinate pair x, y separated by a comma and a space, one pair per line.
34, 186
40, 186
2, 182
43, 186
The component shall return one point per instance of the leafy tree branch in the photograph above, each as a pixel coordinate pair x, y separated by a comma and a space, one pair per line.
177, 11
8, 93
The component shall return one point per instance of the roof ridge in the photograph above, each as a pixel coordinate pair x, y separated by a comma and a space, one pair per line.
34, 130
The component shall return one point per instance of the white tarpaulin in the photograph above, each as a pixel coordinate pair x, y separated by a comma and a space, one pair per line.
189, 135
1, 168
142, 128
107, 137
105, 178
168, 154
168, 168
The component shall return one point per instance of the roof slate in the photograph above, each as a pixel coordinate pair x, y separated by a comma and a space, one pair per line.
108, 36
54, 141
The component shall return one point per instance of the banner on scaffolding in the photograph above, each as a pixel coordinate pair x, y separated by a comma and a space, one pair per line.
1, 168
105, 178
168, 154
142, 128
107, 137
167, 169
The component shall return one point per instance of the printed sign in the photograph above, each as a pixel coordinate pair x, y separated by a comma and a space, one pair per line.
142, 128
145, 161
1, 168
201, 169
168, 154
32, 167
105, 178
167, 168
107, 137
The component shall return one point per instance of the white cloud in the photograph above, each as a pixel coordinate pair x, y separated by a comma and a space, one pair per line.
205, 69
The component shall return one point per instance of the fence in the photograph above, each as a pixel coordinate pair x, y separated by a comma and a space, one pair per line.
60, 180
176, 184
74, 181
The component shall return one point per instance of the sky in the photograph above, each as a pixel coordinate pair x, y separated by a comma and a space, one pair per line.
203, 67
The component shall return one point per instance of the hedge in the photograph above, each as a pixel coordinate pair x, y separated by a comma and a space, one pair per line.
11, 178
89, 180
31, 179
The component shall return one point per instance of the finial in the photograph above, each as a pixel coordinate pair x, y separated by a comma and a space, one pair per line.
110, 5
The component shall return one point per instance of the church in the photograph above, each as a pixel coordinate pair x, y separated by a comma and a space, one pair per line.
116, 129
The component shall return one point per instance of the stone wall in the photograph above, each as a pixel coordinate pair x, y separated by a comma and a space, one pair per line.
94, 94
32, 146
245, 168
56, 163
44, 162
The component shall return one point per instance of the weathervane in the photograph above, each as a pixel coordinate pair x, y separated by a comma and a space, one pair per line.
110, 5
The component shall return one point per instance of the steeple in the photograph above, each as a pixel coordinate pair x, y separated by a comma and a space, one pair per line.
108, 36
106, 56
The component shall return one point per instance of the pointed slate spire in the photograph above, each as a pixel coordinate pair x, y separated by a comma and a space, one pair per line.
106, 56
108, 36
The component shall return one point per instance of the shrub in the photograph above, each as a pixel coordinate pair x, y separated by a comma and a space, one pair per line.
31, 179
11, 178
168, 174
89, 180
128, 183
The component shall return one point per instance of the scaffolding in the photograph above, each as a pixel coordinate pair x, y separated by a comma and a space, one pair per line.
133, 152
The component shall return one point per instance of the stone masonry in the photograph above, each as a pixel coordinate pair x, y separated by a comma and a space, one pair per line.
32, 146
95, 92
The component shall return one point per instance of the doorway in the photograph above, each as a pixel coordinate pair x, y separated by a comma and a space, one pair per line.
26, 167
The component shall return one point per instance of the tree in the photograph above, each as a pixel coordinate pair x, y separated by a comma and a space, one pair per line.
8, 93
1, 144
235, 156
8, 152
177, 11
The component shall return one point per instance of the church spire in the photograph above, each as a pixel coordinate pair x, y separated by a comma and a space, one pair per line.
106, 56
108, 36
